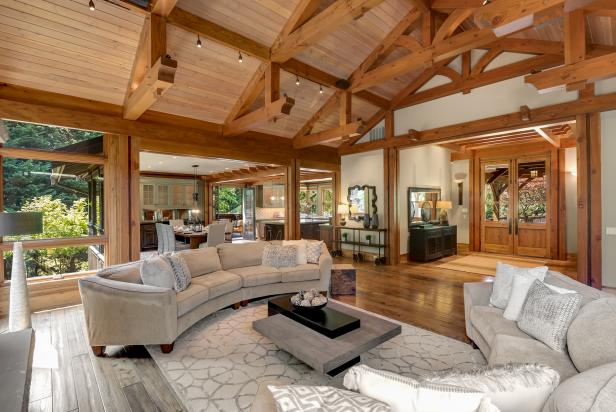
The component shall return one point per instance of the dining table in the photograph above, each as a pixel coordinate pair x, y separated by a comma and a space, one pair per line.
194, 239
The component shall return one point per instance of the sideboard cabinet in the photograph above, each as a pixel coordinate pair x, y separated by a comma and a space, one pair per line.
430, 242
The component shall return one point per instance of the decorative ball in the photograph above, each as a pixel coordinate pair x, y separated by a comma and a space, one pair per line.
314, 292
308, 296
296, 299
305, 302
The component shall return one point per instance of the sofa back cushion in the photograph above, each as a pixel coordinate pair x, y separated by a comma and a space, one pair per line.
156, 271
201, 261
240, 255
591, 335
562, 281
125, 272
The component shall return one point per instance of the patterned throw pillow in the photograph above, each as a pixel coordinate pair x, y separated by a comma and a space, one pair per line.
279, 256
322, 398
181, 272
313, 251
547, 314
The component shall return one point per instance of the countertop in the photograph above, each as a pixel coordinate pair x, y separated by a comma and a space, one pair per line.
302, 221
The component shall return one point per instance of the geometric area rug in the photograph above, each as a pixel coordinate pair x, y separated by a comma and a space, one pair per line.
218, 363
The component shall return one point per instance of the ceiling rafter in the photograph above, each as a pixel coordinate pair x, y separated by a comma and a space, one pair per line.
485, 60
451, 24
251, 92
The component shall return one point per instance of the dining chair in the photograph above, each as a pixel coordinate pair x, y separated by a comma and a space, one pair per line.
166, 238
215, 234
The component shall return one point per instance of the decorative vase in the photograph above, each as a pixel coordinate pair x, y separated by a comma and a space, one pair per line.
366, 221
19, 307
374, 221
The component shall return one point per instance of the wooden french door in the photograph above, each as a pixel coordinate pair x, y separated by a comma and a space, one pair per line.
515, 207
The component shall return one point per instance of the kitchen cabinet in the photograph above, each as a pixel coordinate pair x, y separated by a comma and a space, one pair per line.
162, 195
166, 193
147, 195
270, 196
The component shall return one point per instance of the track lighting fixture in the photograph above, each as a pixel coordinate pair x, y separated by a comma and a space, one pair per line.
199, 45
486, 2
240, 58
320, 89
297, 80
91, 5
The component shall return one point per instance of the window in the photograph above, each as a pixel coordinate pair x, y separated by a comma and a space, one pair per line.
327, 200
67, 187
227, 200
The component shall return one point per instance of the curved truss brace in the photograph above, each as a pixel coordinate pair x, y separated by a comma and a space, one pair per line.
485, 60
453, 21
447, 71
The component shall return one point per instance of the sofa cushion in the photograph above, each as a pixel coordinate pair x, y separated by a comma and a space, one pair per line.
233, 255
506, 349
257, 275
588, 293
201, 261
125, 272
190, 298
156, 271
300, 273
593, 390
596, 319
219, 283
489, 322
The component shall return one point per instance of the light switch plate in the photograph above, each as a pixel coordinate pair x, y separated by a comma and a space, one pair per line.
610, 231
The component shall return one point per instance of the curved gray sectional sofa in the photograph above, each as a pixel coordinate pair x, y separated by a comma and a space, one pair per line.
120, 310
587, 367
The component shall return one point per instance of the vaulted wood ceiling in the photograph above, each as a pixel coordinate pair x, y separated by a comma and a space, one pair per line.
61, 46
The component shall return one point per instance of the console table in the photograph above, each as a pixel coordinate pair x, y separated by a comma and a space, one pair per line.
429, 242
378, 241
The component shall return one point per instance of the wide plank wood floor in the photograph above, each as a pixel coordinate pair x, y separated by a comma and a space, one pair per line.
67, 377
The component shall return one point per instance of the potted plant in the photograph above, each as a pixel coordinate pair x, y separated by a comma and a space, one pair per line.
369, 239
345, 236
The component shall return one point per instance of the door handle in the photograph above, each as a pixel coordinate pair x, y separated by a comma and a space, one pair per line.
516, 227
509, 226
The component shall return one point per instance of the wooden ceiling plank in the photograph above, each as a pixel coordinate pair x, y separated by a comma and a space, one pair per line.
324, 23
269, 112
327, 136
587, 70
250, 94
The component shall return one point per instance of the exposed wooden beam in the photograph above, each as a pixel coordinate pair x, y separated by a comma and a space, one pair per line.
269, 112
509, 16
327, 136
540, 116
272, 83
449, 5
304, 10
533, 46
163, 7
324, 23
486, 59
453, 21
250, 94
585, 70
251, 173
428, 27
421, 5
548, 136
409, 42
160, 77
370, 124
575, 42
330, 105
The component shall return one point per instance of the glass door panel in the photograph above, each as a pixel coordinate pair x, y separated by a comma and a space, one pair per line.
496, 207
531, 227
249, 213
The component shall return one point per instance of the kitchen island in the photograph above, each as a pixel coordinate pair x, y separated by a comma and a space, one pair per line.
274, 229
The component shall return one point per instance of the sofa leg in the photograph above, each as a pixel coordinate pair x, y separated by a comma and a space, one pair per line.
166, 348
236, 306
98, 350
244, 303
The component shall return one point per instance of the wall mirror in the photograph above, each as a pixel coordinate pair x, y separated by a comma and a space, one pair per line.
422, 203
362, 201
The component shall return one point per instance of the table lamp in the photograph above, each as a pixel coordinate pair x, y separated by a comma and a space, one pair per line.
16, 224
444, 205
343, 211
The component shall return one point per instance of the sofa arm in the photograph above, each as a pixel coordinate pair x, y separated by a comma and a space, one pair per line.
121, 313
325, 267
475, 294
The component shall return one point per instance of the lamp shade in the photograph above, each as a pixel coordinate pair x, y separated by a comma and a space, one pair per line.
20, 223
443, 204
343, 209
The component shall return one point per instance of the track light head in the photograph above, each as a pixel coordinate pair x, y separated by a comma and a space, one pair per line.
240, 58
320, 89
297, 80
199, 45
91, 5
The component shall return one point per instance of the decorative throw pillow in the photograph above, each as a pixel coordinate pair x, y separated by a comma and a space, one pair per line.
547, 315
503, 281
404, 394
181, 272
519, 290
201, 261
125, 272
313, 251
322, 398
511, 388
301, 249
156, 271
279, 256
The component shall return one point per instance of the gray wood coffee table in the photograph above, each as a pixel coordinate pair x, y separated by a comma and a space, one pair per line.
325, 355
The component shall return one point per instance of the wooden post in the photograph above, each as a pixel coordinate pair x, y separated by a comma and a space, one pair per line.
583, 206
594, 176
135, 199
391, 158
117, 198
475, 203
292, 228
562, 206
553, 198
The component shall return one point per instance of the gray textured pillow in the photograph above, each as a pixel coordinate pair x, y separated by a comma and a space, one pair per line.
279, 256
181, 272
156, 271
313, 251
322, 398
547, 314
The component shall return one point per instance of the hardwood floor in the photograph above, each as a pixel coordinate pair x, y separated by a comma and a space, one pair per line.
67, 377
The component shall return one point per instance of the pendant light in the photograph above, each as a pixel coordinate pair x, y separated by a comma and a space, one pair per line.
195, 195
297, 80
91, 5
320, 89
240, 58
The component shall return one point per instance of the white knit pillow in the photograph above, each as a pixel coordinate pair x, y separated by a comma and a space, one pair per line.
301, 249
404, 394
511, 388
503, 281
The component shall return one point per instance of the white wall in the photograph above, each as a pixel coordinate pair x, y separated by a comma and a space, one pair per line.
459, 215
421, 166
571, 198
608, 194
